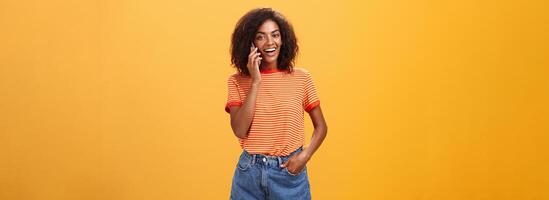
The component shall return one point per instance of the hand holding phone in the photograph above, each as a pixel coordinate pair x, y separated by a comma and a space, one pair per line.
254, 60
259, 60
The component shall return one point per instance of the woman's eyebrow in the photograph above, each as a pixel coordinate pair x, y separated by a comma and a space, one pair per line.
265, 33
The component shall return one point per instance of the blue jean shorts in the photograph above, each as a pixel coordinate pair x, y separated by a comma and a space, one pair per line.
260, 176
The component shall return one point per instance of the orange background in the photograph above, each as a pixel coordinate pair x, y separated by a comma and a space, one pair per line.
423, 99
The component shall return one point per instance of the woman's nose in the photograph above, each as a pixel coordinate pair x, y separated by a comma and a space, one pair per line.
270, 40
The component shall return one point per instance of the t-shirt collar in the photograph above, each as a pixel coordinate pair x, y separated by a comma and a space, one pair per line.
268, 71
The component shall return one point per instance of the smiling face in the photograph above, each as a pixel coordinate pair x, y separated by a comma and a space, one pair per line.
268, 41
271, 33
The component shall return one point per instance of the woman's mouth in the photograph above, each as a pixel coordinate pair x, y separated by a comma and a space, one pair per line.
270, 52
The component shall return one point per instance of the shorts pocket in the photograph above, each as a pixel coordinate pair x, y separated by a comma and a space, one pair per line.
244, 162
292, 174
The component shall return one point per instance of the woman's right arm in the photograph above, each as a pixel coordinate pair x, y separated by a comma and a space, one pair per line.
241, 116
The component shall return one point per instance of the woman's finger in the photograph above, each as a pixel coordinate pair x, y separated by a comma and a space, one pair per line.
285, 164
252, 52
259, 61
250, 56
253, 55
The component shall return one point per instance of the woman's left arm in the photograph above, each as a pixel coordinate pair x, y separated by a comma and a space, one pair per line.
320, 132
297, 163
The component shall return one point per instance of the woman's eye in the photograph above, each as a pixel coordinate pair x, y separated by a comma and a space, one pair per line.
259, 38
276, 35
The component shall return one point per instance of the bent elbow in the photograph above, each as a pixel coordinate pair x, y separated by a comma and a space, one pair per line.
323, 130
240, 134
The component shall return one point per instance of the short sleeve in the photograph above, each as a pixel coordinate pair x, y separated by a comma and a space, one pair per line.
233, 97
310, 98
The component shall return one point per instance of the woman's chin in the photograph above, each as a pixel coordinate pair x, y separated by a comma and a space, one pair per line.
269, 60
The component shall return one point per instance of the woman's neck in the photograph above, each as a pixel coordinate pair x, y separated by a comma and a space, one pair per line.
267, 66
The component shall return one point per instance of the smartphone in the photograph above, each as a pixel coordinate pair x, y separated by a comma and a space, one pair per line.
259, 61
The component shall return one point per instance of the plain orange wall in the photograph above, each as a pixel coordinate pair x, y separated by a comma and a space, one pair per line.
444, 100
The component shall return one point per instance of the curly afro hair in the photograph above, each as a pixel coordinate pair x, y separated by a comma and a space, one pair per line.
244, 34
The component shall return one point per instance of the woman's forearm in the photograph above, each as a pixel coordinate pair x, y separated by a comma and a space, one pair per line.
319, 134
242, 120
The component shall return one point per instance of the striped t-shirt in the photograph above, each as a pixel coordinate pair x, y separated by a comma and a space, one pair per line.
277, 126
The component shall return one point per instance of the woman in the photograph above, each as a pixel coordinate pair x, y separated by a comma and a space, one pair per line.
266, 101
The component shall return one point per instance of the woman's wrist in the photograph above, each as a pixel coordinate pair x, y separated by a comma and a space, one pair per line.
307, 154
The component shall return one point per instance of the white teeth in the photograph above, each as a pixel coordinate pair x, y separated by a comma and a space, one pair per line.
269, 50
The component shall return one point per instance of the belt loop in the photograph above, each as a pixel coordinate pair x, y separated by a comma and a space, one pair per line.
279, 161
253, 159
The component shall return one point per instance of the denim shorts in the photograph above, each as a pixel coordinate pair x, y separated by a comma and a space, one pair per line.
260, 176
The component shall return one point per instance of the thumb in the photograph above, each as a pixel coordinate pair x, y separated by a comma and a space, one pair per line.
283, 165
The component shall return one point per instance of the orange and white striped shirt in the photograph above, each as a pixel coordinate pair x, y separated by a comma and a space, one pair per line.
277, 127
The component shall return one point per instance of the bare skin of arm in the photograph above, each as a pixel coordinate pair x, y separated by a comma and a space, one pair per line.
241, 116
297, 162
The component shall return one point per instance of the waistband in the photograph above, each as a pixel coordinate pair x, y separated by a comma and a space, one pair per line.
266, 158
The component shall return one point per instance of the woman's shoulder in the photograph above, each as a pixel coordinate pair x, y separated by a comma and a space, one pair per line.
301, 71
237, 77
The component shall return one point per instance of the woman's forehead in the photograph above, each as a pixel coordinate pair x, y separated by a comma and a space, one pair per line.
268, 26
